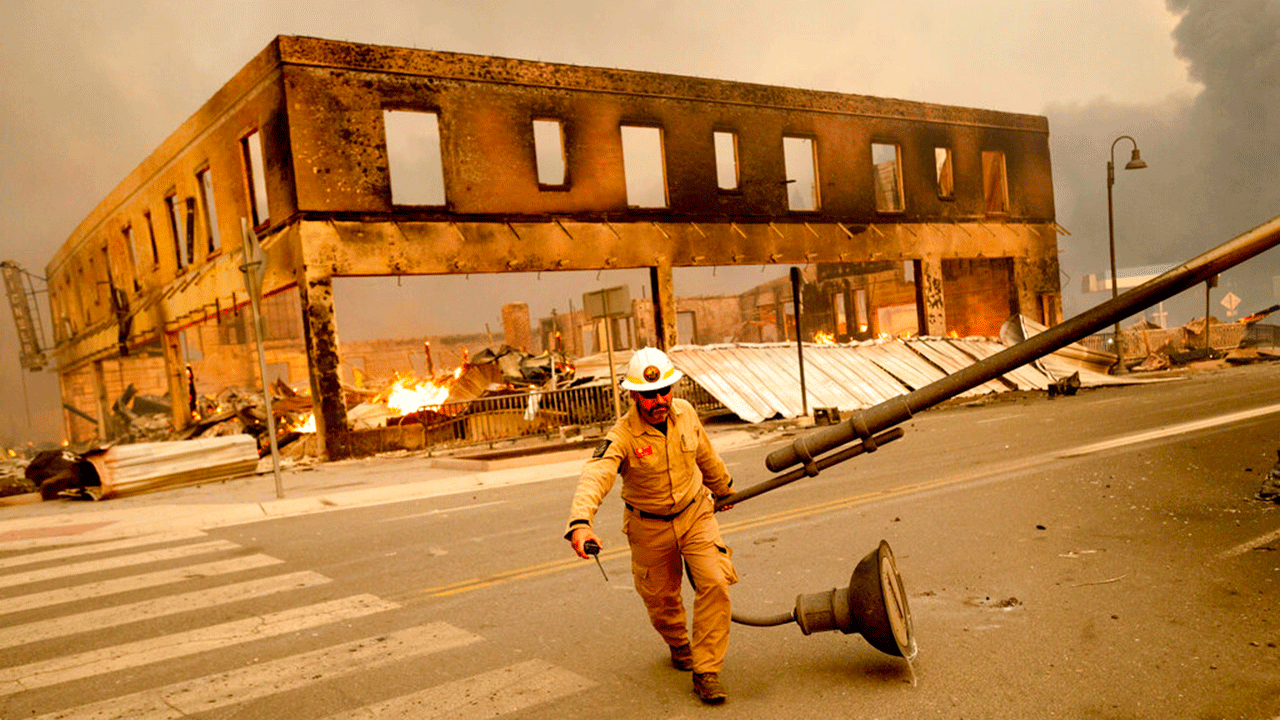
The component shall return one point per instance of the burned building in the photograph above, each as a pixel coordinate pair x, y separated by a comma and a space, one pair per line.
357, 160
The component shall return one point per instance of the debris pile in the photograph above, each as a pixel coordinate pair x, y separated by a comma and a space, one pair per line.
372, 402
1247, 340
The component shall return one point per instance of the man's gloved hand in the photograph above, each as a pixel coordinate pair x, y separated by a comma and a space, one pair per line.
579, 538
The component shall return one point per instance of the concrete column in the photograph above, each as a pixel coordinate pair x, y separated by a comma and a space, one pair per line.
930, 308
321, 337
1039, 294
515, 326
176, 376
104, 405
664, 306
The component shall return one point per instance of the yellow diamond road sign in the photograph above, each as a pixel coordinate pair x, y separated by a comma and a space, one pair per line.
1230, 302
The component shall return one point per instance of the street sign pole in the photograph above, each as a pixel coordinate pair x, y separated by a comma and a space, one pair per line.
254, 269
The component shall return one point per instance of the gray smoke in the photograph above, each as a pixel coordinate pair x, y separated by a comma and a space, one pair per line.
1213, 159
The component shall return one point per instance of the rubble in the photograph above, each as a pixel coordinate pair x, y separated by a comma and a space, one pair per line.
1270, 489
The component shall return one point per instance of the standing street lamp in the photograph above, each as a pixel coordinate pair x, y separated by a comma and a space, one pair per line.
1135, 163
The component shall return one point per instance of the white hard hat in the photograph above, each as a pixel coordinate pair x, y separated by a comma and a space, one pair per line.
650, 369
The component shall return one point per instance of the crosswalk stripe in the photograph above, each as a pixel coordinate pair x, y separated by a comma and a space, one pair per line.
155, 608
486, 695
134, 582
85, 549
241, 685
167, 647
112, 563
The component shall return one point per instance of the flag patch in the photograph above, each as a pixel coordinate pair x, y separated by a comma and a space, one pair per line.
645, 451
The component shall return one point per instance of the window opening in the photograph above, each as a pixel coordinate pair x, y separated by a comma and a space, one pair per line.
190, 232
548, 145
414, 157
151, 234
802, 173
133, 255
860, 309
687, 327
995, 187
841, 300
204, 179
255, 176
942, 166
727, 177
643, 166
888, 177
178, 227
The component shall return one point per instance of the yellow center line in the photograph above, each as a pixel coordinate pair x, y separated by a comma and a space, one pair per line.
776, 518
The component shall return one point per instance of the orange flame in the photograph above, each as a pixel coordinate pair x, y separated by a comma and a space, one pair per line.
306, 426
824, 338
408, 395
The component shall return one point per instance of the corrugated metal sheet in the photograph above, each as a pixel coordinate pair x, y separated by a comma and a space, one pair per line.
1026, 377
760, 381
941, 353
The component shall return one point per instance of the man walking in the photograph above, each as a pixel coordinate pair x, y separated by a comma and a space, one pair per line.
670, 478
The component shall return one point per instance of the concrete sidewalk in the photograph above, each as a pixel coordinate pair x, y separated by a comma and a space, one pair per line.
321, 487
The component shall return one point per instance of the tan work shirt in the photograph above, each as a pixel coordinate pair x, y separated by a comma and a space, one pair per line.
661, 473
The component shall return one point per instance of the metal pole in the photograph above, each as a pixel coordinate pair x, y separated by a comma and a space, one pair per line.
254, 263
613, 375
1119, 369
795, 303
1208, 285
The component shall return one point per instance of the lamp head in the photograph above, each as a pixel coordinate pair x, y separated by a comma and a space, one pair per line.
1135, 162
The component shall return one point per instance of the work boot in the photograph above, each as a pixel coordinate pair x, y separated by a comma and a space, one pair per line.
708, 688
682, 657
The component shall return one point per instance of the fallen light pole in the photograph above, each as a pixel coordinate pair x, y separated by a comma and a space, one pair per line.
864, 425
875, 603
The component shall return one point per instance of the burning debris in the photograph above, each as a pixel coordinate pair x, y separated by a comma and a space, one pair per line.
373, 403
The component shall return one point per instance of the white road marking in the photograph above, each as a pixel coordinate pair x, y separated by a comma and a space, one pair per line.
192, 642
486, 695
1179, 429
1253, 544
442, 511
237, 686
156, 608
89, 548
134, 582
112, 563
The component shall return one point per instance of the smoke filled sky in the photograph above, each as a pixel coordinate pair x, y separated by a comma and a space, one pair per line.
90, 88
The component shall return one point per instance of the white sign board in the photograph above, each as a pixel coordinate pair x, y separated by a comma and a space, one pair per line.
610, 302
1230, 302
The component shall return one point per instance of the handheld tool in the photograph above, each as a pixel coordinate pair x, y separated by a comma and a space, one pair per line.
592, 548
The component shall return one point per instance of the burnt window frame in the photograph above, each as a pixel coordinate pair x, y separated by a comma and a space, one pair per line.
817, 172
208, 209
440, 145
151, 234
662, 158
563, 130
898, 177
1004, 182
950, 165
737, 159
130, 244
249, 177
177, 226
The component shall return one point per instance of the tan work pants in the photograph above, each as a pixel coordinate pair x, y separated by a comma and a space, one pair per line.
657, 549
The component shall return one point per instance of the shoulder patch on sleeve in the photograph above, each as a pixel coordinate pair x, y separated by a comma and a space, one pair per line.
601, 449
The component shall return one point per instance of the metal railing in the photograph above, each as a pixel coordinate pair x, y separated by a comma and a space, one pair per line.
1138, 343
539, 412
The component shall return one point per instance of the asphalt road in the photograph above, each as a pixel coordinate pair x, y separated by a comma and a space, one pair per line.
1098, 556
